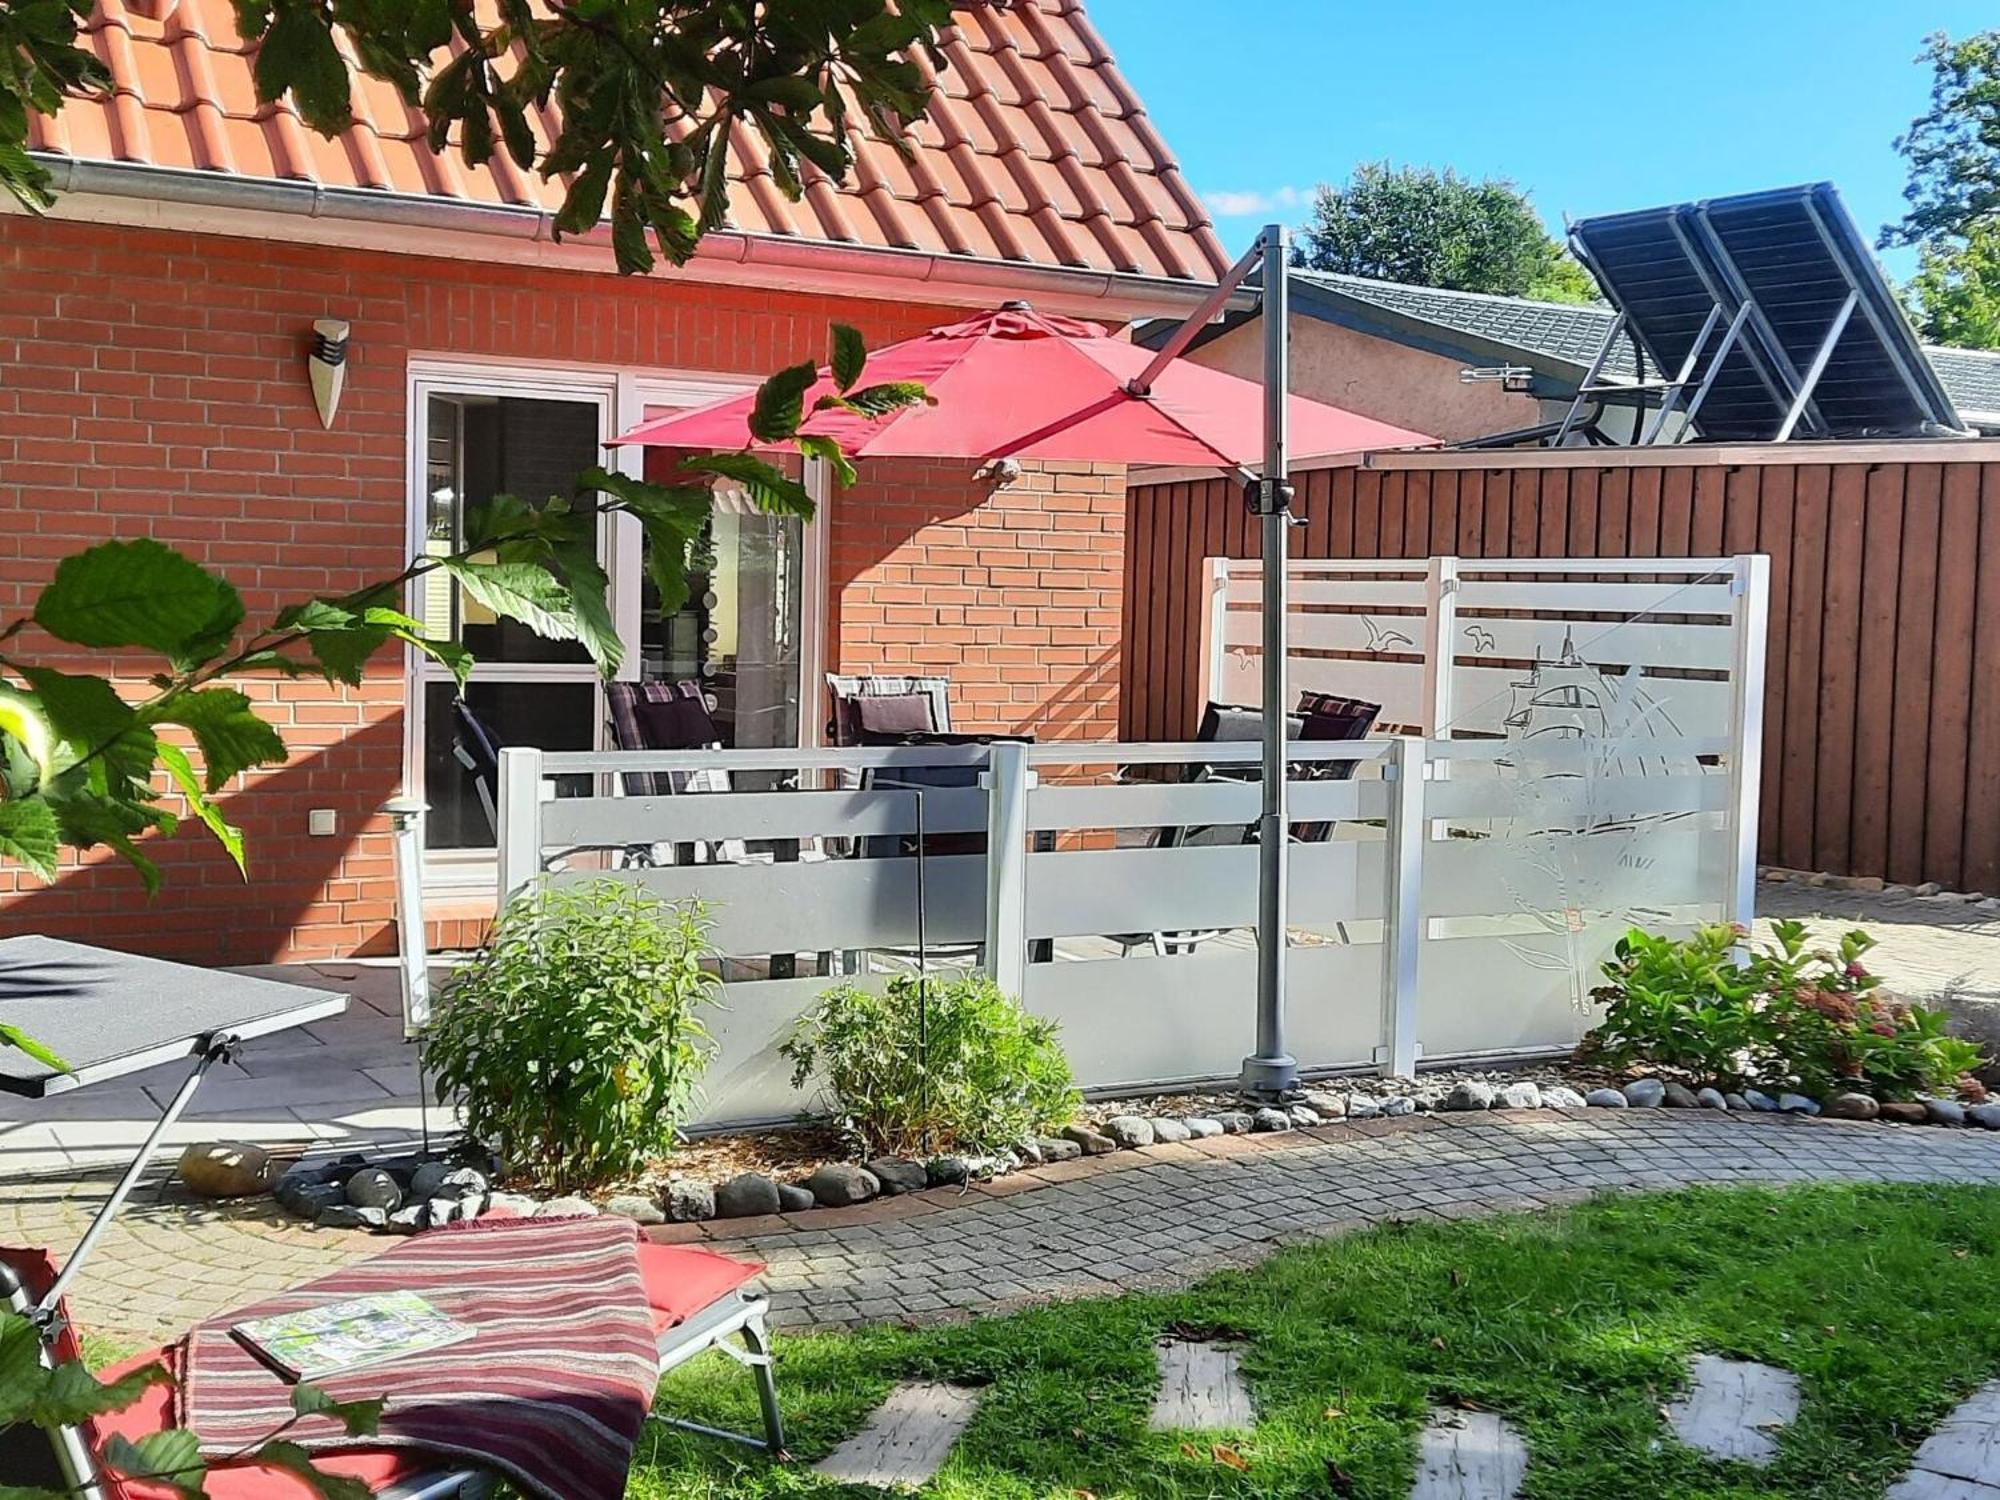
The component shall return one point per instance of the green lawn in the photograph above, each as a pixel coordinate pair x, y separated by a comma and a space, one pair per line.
1576, 1325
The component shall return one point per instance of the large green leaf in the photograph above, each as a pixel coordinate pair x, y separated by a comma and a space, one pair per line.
850, 356
830, 450
181, 769
360, 1418
769, 488
93, 722
171, 1457
29, 835
231, 736
93, 816
13, 1036
74, 1394
140, 593
519, 591
781, 403
298, 55
590, 602
22, 718
23, 1381
879, 400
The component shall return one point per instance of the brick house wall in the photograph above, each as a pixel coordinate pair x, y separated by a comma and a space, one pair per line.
152, 382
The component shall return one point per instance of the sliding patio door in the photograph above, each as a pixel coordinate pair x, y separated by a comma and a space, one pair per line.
750, 633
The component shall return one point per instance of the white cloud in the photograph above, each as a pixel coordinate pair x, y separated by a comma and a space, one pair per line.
1237, 205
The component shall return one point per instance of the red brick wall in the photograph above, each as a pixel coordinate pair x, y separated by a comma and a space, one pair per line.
153, 383
1015, 593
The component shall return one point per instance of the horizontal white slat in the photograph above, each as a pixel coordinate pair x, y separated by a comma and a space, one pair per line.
1194, 752
832, 905
1620, 598
1691, 567
1370, 593
1162, 805
1539, 799
1638, 643
576, 762
1079, 891
617, 821
1149, 1020
1663, 863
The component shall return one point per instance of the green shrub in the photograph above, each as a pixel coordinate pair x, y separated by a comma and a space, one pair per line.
977, 1073
575, 1034
1814, 1019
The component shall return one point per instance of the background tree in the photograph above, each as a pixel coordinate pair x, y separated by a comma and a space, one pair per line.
647, 89
1953, 194
1432, 228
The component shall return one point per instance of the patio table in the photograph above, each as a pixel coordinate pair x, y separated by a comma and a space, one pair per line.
110, 1015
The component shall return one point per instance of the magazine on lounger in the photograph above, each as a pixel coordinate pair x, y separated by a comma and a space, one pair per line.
350, 1335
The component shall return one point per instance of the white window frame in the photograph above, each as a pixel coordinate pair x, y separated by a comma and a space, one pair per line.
621, 396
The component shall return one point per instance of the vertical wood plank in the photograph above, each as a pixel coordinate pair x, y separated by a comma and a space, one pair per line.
1445, 488
1915, 657
1368, 488
1314, 488
1135, 691
1676, 513
1982, 769
1347, 487
1705, 528
1799, 748
1416, 538
1952, 683
1552, 524
1471, 513
1840, 644
1496, 538
1648, 502
1583, 513
1524, 514
1614, 512
1771, 534
1875, 672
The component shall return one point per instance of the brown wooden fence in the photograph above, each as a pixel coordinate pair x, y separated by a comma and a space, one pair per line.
1882, 748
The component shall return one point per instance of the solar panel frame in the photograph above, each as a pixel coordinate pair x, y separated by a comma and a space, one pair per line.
1792, 256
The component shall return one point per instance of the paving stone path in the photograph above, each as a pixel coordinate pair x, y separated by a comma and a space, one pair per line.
1735, 1408
1147, 1219
1961, 1460
1469, 1455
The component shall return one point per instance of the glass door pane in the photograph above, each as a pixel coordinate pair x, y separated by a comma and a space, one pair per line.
528, 690
740, 635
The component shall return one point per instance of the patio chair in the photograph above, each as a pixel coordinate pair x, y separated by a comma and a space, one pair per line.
887, 705
696, 1300
477, 748
668, 716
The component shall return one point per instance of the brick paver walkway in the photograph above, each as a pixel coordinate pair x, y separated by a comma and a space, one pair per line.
1165, 1215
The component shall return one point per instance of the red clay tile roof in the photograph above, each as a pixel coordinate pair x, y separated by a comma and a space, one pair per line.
1036, 150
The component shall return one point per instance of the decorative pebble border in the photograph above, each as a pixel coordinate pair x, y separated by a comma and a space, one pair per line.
406, 1193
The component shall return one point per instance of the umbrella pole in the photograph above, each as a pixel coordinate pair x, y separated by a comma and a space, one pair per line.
1271, 1071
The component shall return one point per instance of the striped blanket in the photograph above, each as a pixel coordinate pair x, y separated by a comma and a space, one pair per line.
551, 1392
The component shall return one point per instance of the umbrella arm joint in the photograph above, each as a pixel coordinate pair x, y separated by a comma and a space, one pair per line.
1268, 495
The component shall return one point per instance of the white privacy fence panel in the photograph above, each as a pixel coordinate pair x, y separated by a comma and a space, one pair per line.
1451, 896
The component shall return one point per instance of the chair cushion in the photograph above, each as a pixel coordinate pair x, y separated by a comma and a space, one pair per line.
680, 1281
898, 713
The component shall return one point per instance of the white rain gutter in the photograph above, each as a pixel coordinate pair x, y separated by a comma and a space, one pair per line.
135, 193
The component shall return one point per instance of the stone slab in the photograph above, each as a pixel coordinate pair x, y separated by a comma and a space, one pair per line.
908, 1438
1964, 1450
1201, 1388
1734, 1409
1469, 1455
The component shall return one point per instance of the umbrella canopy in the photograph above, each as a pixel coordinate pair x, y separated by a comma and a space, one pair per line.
1018, 384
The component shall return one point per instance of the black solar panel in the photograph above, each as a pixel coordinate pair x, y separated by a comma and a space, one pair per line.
1792, 257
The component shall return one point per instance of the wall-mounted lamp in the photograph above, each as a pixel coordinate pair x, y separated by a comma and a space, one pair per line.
326, 366
1002, 471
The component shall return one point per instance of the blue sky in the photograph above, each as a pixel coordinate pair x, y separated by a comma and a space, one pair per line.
1592, 109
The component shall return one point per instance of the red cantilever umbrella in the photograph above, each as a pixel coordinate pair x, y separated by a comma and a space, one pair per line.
1019, 384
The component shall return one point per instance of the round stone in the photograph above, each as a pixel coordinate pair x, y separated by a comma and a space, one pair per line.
1605, 1099
688, 1202
1797, 1104
1268, 1120
1091, 1142
349, 1216
428, 1179
794, 1199
1328, 1105
1398, 1105
1054, 1150
511, 1205
1905, 1111
1522, 1095
1170, 1132
1130, 1131
1851, 1106
1735, 1101
841, 1185
1304, 1116
950, 1171
1711, 1099
1680, 1096
1469, 1093
1645, 1093
746, 1194
1363, 1107
1201, 1127
463, 1182
1759, 1101
371, 1187
897, 1175
1236, 1122
1557, 1096
1987, 1115
1944, 1111
568, 1207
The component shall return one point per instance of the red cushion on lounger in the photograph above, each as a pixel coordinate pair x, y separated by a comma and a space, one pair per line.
680, 1282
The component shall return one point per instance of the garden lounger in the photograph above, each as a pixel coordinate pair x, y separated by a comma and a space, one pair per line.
696, 1299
